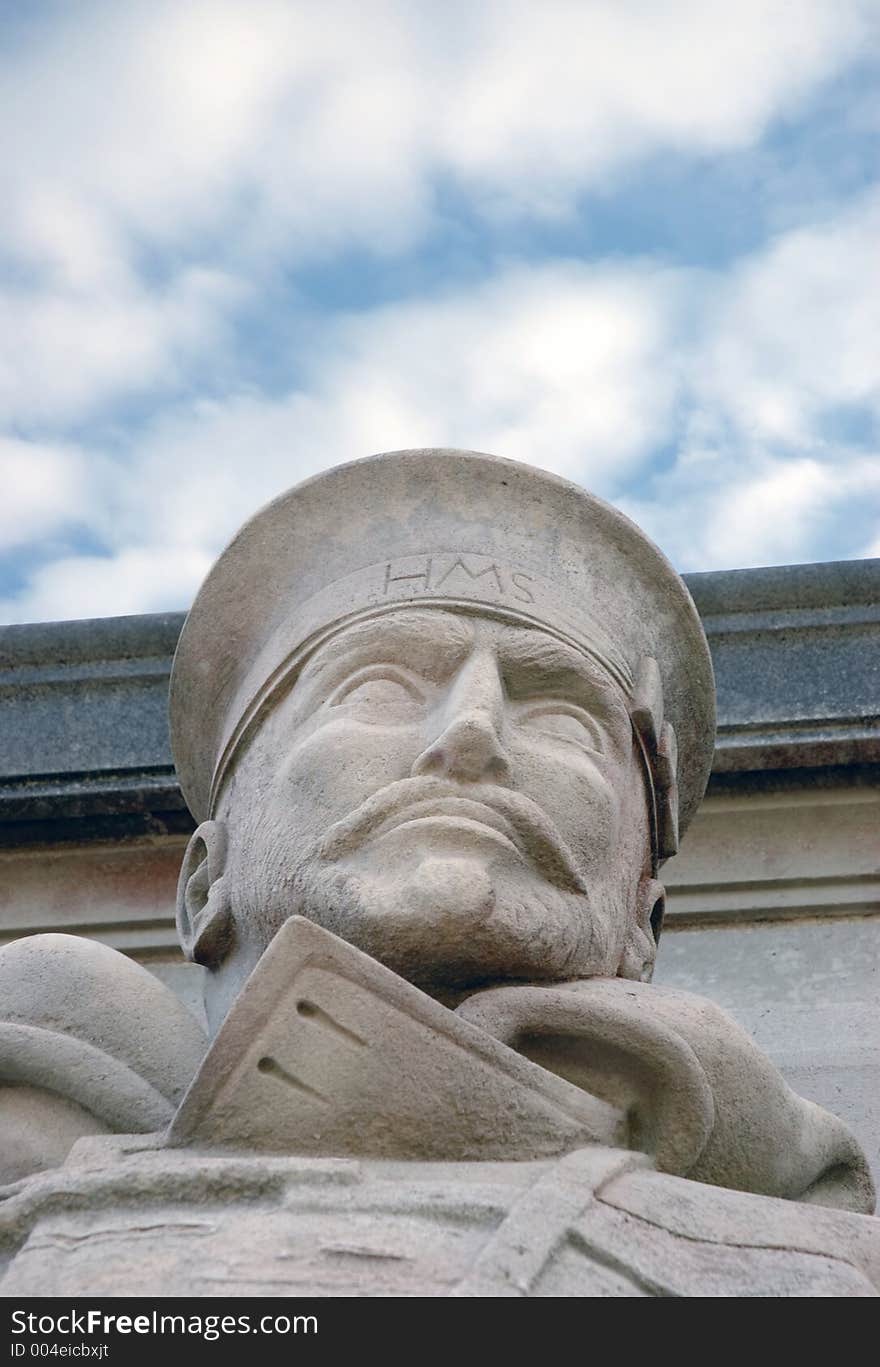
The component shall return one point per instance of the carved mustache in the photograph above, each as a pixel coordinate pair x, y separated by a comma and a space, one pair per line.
521, 820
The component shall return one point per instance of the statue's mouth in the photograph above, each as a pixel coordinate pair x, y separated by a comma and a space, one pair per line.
455, 816
507, 818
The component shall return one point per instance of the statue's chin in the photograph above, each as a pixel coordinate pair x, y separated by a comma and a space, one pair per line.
448, 921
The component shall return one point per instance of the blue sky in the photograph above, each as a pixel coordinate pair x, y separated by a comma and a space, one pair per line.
632, 241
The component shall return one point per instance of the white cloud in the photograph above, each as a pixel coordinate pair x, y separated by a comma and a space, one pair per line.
164, 113
560, 95
561, 365
64, 352
784, 360
232, 137
138, 579
43, 488
166, 163
764, 510
586, 371
795, 330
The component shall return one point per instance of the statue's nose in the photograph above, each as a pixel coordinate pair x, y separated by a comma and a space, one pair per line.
469, 746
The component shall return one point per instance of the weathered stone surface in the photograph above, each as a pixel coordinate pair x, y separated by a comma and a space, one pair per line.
455, 713
468, 724
327, 1052
806, 991
85, 736
796, 651
123, 1218
89, 1042
450, 529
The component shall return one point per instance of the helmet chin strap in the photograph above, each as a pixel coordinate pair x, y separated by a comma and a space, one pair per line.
657, 746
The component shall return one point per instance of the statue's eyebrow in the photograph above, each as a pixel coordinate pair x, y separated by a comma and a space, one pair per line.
533, 664
433, 644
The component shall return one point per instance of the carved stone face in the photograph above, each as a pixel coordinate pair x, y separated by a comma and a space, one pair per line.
459, 797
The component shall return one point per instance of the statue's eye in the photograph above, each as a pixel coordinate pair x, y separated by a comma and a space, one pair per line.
565, 722
382, 694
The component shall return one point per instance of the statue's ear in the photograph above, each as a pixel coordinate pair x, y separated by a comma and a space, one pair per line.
204, 913
640, 950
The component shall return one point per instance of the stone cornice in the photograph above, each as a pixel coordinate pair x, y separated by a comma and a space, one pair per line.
85, 746
796, 651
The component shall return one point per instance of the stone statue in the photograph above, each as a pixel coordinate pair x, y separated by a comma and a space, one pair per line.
441, 718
